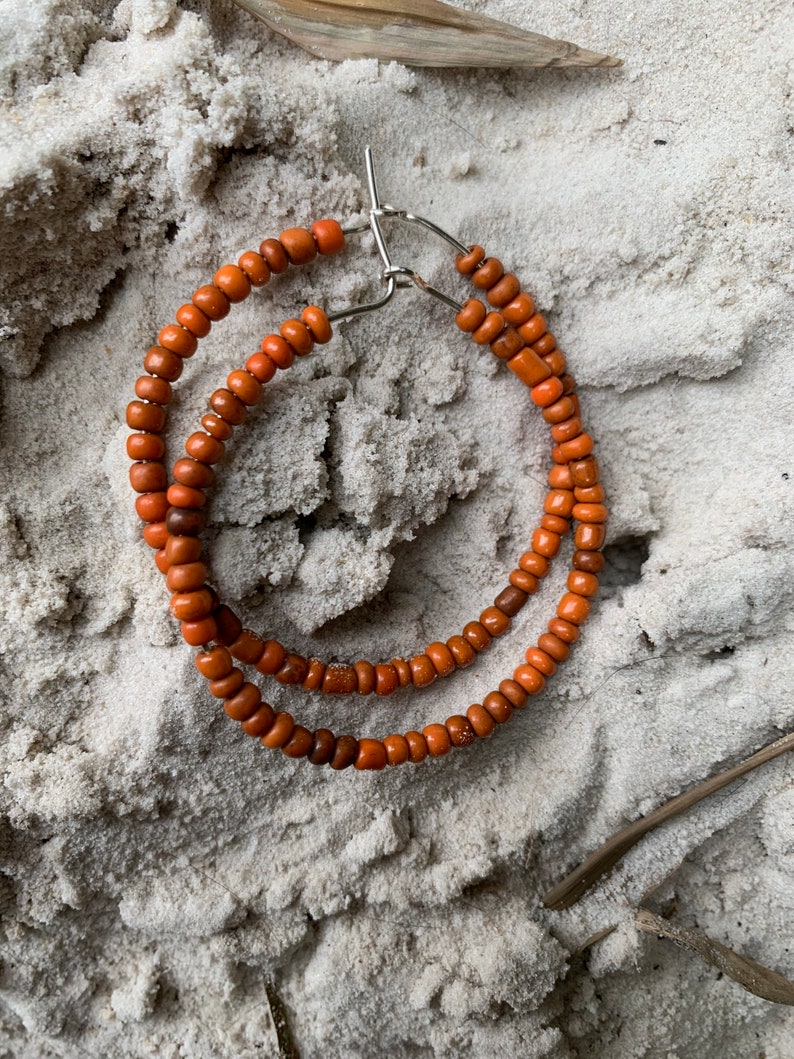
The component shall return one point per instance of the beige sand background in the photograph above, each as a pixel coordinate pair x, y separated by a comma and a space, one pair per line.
157, 866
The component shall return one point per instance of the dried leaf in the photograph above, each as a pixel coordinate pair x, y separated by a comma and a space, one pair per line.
751, 975
414, 32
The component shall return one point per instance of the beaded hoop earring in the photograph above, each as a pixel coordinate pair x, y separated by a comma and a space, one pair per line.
174, 518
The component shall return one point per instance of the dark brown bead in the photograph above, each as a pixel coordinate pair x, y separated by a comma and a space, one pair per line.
345, 752
185, 522
293, 670
322, 747
511, 600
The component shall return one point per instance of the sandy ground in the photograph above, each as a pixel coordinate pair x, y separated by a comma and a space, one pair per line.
157, 866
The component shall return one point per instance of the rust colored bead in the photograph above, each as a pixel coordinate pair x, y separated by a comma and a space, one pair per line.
553, 646
422, 671
194, 320
299, 245
365, 677
527, 583
261, 367
593, 494
477, 635
535, 564
590, 536
148, 477
510, 601
488, 273
313, 681
227, 406
441, 657
345, 752
233, 282
152, 507
555, 361
244, 386
339, 680
244, 704
533, 329
543, 662
466, 263
546, 543
566, 630
559, 502
272, 657
559, 411
403, 671
480, 720
298, 335
328, 236
191, 606
178, 340
152, 388
437, 739
460, 731
371, 755
184, 522
560, 477
212, 302
545, 345
575, 449
471, 315
215, 663
185, 496
590, 512
530, 679
585, 472
495, 621
386, 679
397, 749
163, 363
148, 417
205, 448
156, 535
187, 577
547, 392
247, 647
514, 694
193, 473
519, 310
528, 366
555, 524
180, 550
508, 344
583, 584
503, 291
255, 267
300, 742
280, 352
499, 707
280, 732
322, 747
294, 670
491, 327
566, 431
573, 608
229, 625
200, 632
217, 427
228, 686
259, 723
417, 746
461, 650
318, 324
590, 562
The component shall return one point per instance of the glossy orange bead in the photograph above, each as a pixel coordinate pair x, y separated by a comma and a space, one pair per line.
481, 721
547, 392
233, 282
498, 706
215, 663
495, 621
297, 334
187, 577
530, 679
397, 749
477, 635
244, 386
255, 267
466, 263
371, 755
299, 743
540, 660
573, 608
205, 448
491, 327
280, 352
503, 291
441, 657
437, 739
212, 302
178, 340
280, 732
152, 507
148, 477
417, 746
163, 363
590, 536
519, 310
365, 677
582, 583
261, 367
461, 650
194, 320
546, 543
533, 328
422, 671
184, 496
488, 273
328, 236
386, 679
193, 473
318, 323
299, 245
460, 731
471, 315
200, 632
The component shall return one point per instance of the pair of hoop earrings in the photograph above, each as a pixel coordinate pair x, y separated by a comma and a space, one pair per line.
172, 510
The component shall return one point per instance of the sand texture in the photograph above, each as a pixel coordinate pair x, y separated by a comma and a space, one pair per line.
158, 867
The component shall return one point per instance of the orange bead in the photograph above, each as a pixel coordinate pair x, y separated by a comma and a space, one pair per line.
559, 411
519, 310
534, 563
491, 327
200, 632
255, 267
259, 722
481, 721
441, 657
152, 388
546, 543
328, 236
318, 324
280, 732
466, 263
499, 707
471, 315
227, 406
477, 635
313, 681
148, 417
566, 630
437, 739
533, 329
261, 367
495, 621
216, 426
460, 731
156, 534
583, 584
559, 502
192, 606
212, 302
573, 608
555, 647
528, 583
507, 345
163, 363
365, 677
275, 255
183, 496
403, 671
547, 392
148, 477
397, 749
233, 282
187, 577
560, 477
180, 550
178, 340
205, 448
299, 245
530, 679
297, 334
386, 679
503, 291
247, 647
540, 660
272, 657
590, 536
488, 273
280, 352
528, 366
417, 746
462, 651
339, 680
244, 386
514, 694
422, 671
215, 663
300, 742
193, 320
152, 507
371, 755
193, 473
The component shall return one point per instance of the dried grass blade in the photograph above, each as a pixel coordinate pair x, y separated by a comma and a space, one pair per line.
575, 885
415, 32
754, 977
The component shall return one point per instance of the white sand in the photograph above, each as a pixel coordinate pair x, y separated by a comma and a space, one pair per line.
157, 865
